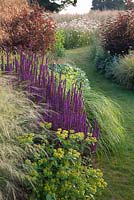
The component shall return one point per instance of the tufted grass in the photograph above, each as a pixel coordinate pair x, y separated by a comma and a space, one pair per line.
17, 116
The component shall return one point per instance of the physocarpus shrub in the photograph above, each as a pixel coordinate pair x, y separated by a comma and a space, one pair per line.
117, 34
30, 28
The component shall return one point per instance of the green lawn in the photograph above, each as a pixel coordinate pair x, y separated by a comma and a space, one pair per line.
118, 171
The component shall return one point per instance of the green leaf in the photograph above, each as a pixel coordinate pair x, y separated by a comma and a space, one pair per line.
48, 197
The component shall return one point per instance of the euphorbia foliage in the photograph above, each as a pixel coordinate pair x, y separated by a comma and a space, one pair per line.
66, 108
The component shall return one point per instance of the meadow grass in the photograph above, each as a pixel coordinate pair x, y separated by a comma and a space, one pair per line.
118, 170
92, 15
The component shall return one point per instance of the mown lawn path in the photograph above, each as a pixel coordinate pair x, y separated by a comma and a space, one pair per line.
118, 171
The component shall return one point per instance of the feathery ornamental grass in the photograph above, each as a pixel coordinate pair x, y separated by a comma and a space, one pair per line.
17, 116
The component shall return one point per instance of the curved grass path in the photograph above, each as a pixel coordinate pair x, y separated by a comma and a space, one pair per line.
118, 171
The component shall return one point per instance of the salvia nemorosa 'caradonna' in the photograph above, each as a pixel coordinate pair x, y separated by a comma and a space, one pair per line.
66, 108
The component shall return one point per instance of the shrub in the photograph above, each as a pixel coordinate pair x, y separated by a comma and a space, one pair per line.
17, 115
98, 54
29, 29
10, 8
60, 166
117, 34
104, 64
102, 59
123, 71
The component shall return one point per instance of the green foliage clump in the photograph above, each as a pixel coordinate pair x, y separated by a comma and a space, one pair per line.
59, 43
75, 38
72, 74
60, 166
123, 71
96, 50
102, 59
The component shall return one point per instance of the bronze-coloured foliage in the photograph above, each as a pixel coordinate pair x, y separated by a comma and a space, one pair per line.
29, 29
117, 34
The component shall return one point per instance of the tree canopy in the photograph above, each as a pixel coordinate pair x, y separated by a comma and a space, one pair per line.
56, 5
108, 4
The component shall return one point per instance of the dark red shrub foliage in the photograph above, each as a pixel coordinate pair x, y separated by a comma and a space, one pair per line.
31, 28
117, 34
129, 4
